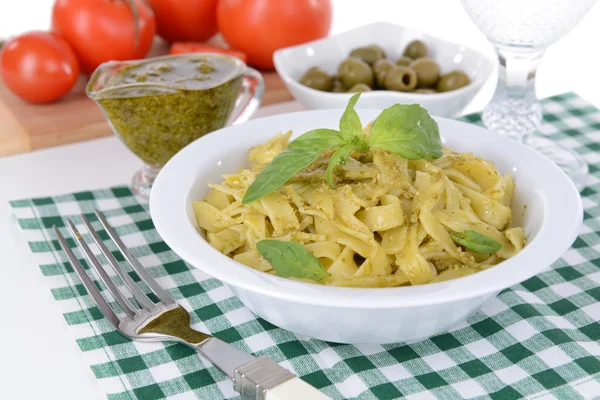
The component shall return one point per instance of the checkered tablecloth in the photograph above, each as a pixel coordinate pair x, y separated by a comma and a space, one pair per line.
539, 339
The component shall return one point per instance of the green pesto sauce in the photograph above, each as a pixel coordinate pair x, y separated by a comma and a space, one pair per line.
155, 125
175, 322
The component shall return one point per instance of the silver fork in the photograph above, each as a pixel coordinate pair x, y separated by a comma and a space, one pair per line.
254, 378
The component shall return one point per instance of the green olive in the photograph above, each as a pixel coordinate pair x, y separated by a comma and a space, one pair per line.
377, 48
404, 61
368, 54
426, 91
416, 49
353, 71
318, 79
381, 67
427, 70
401, 79
452, 80
338, 86
359, 87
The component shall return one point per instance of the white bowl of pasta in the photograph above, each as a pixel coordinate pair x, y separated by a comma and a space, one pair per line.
369, 228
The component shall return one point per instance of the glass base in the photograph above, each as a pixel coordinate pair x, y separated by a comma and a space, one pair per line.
515, 118
570, 162
142, 181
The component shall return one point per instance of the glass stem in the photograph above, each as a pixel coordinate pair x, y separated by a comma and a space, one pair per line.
514, 110
143, 180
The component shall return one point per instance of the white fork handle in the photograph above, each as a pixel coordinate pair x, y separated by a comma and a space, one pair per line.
295, 389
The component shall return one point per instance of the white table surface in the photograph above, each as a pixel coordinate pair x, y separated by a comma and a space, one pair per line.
53, 367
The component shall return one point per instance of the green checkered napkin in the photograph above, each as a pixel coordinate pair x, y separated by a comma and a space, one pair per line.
539, 339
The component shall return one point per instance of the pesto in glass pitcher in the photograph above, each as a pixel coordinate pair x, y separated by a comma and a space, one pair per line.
158, 106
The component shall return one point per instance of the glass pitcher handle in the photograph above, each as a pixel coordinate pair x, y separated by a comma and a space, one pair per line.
251, 94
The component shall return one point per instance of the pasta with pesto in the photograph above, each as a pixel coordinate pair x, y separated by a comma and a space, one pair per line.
386, 222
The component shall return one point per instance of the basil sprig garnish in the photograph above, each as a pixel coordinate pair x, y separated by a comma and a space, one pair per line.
291, 259
339, 158
405, 130
476, 241
300, 153
408, 131
350, 125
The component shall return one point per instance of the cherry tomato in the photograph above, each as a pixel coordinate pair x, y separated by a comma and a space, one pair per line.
185, 20
259, 27
104, 30
39, 67
193, 47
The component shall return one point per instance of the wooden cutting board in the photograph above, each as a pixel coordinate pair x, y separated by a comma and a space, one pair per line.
25, 127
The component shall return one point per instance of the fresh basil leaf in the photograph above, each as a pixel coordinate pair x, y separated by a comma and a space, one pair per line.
291, 259
350, 124
277, 173
317, 139
339, 158
408, 131
476, 241
300, 153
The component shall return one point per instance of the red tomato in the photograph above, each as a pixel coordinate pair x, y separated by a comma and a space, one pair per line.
193, 47
104, 30
39, 67
259, 27
185, 20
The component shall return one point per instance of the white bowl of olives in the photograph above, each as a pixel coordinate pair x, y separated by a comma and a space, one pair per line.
390, 64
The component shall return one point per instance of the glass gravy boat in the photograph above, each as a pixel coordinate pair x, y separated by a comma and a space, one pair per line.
157, 106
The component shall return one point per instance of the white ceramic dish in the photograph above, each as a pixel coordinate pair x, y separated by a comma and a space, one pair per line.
327, 53
352, 315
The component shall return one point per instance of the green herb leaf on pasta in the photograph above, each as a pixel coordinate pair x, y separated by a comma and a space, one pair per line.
317, 140
291, 259
350, 125
407, 131
476, 241
339, 158
300, 153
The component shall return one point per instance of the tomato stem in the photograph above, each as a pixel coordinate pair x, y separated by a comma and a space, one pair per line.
136, 21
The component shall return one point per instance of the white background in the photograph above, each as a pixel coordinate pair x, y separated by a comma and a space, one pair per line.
38, 357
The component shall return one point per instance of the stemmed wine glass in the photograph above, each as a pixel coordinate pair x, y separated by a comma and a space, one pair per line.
521, 30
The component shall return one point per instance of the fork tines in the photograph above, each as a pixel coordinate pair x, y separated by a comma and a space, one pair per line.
146, 306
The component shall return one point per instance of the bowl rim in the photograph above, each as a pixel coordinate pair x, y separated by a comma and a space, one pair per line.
168, 209
278, 61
